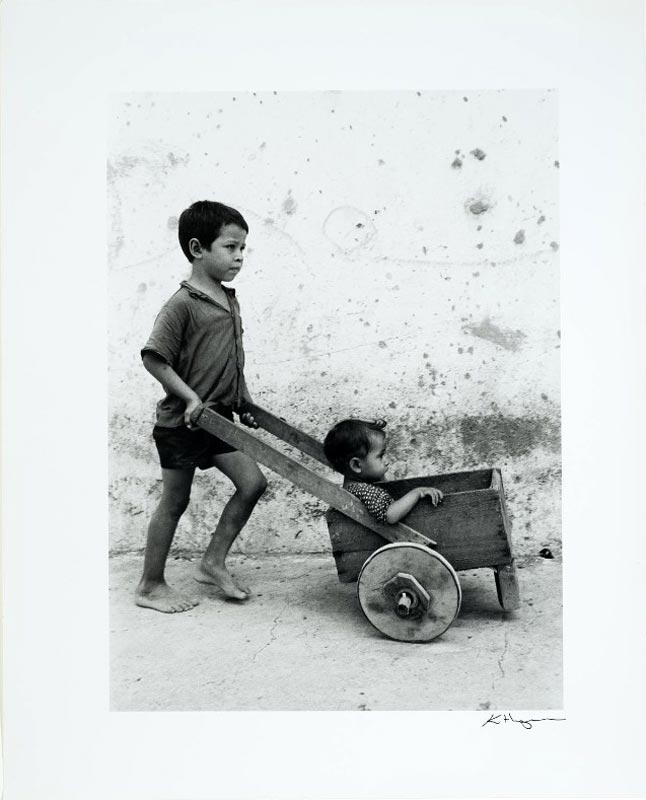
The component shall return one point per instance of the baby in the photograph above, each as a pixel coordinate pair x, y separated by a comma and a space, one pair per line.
356, 449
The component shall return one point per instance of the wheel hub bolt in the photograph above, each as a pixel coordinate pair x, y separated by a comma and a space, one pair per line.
409, 597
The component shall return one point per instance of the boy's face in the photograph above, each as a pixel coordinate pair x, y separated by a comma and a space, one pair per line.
222, 261
372, 467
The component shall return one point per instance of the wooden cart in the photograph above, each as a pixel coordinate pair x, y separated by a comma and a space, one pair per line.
406, 576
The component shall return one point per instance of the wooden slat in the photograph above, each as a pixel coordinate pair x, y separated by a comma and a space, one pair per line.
346, 535
348, 565
496, 480
447, 483
287, 433
507, 586
497, 484
468, 527
488, 551
302, 477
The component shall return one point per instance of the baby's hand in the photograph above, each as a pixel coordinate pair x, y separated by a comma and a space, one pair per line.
428, 491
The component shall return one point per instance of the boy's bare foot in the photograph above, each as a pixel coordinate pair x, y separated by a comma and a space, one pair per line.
162, 598
221, 577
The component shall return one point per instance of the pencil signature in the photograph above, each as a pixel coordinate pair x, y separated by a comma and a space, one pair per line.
528, 724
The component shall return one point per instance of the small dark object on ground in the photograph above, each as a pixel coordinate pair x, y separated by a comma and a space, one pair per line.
546, 553
478, 206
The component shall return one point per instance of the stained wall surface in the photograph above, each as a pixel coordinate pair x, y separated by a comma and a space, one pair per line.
402, 262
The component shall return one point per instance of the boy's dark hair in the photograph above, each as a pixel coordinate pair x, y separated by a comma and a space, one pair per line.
204, 221
348, 439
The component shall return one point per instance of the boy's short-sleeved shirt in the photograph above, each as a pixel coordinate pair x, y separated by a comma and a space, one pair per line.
202, 341
375, 499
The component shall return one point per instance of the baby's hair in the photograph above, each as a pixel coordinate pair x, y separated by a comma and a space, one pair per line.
350, 438
204, 221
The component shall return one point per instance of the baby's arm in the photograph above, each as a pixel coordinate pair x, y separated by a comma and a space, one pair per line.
173, 384
399, 508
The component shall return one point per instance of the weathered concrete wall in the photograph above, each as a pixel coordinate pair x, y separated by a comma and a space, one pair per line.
402, 262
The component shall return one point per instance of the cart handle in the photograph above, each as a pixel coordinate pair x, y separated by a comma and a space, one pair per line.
297, 473
285, 432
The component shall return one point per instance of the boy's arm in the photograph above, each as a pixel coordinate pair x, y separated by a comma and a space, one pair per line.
399, 508
246, 396
173, 384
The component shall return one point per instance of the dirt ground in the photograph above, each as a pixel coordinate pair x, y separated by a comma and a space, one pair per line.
302, 643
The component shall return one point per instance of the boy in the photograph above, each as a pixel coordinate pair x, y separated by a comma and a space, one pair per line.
356, 449
195, 352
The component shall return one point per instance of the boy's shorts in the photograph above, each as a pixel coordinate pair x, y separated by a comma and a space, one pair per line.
183, 448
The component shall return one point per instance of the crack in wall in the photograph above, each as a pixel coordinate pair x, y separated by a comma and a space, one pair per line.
313, 355
502, 262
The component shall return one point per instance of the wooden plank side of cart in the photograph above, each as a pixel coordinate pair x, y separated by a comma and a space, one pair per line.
301, 476
470, 525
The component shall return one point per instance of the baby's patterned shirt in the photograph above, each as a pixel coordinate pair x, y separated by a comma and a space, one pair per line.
375, 499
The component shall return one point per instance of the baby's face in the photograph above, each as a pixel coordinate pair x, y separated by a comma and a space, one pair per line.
373, 465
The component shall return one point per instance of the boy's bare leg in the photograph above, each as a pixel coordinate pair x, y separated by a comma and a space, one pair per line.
250, 483
153, 591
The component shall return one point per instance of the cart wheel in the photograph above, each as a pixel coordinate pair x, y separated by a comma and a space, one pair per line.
409, 592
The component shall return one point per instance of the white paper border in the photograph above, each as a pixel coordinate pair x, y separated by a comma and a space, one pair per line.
60, 62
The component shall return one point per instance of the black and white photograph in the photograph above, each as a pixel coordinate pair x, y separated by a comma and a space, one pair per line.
394, 257
322, 399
